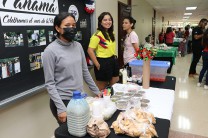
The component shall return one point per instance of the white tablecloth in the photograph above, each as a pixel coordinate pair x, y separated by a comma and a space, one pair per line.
161, 102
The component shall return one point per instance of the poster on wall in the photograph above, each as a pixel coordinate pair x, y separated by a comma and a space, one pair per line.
50, 36
35, 61
9, 67
13, 39
36, 37
26, 29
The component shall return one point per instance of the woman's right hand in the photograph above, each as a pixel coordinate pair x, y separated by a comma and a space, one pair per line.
98, 66
62, 117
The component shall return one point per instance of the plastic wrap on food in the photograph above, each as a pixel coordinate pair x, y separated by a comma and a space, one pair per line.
135, 123
98, 128
104, 107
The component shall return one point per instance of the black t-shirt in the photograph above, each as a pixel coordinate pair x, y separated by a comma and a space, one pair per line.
196, 31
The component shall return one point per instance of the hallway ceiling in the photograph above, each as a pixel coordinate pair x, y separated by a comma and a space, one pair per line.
173, 10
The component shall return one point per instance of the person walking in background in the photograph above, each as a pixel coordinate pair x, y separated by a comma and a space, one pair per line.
161, 37
197, 35
169, 35
182, 46
180, 33
131, 42
102, 51
205, 61
65, 66
190, 40
186, 34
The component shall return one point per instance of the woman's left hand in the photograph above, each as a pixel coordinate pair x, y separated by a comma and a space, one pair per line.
100, 95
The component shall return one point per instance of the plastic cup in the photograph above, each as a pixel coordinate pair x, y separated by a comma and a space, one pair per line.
122, 104
129, 94
126, 98
115, 98
137, 95
96, 110
106, 97
119, 93
135, 102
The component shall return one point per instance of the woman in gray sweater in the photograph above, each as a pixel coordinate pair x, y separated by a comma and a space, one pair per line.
65, 66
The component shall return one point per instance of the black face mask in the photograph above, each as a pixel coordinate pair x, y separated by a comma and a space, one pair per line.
69, 33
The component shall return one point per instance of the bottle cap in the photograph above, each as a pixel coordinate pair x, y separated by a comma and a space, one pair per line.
77, 95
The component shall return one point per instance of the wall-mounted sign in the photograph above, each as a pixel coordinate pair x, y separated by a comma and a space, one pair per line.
73, 9
40, 6
24, 19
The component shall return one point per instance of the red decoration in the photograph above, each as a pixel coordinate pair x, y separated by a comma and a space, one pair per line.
90, 6
145, 53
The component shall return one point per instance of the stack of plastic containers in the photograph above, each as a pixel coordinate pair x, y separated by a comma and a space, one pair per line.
158, 69
78, 115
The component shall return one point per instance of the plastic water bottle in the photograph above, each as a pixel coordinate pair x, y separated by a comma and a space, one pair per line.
78, 115
124, 76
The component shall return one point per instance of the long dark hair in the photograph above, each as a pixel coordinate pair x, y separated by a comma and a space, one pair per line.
102, 29
59, 18
131, 20
205, 39
168, 30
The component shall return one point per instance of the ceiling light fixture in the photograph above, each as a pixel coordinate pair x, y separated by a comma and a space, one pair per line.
186, 17
187, 13
191, 8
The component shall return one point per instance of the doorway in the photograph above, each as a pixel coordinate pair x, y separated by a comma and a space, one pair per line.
124, 10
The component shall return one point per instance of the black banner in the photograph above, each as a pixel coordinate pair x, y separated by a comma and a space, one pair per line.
26, 29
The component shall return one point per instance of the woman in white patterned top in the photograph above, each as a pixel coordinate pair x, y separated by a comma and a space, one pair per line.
131, 42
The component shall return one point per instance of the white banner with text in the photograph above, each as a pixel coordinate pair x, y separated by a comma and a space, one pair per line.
24, 19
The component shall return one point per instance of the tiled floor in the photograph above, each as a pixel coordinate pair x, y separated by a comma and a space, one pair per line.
176, 134
190, 113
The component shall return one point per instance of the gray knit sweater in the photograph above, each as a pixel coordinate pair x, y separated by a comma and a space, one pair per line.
65, 68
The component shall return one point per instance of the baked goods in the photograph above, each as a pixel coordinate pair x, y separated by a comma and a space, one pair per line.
98, 128
135, 123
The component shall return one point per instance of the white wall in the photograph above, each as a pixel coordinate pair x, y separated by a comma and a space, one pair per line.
143, 13
158, 26
104, 6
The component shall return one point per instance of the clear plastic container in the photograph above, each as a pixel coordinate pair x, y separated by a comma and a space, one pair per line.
128, 94
135, 102
141, 92
78, 115
158, 69
125, 97
119, 93
138, 96
122, 104
115, 98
